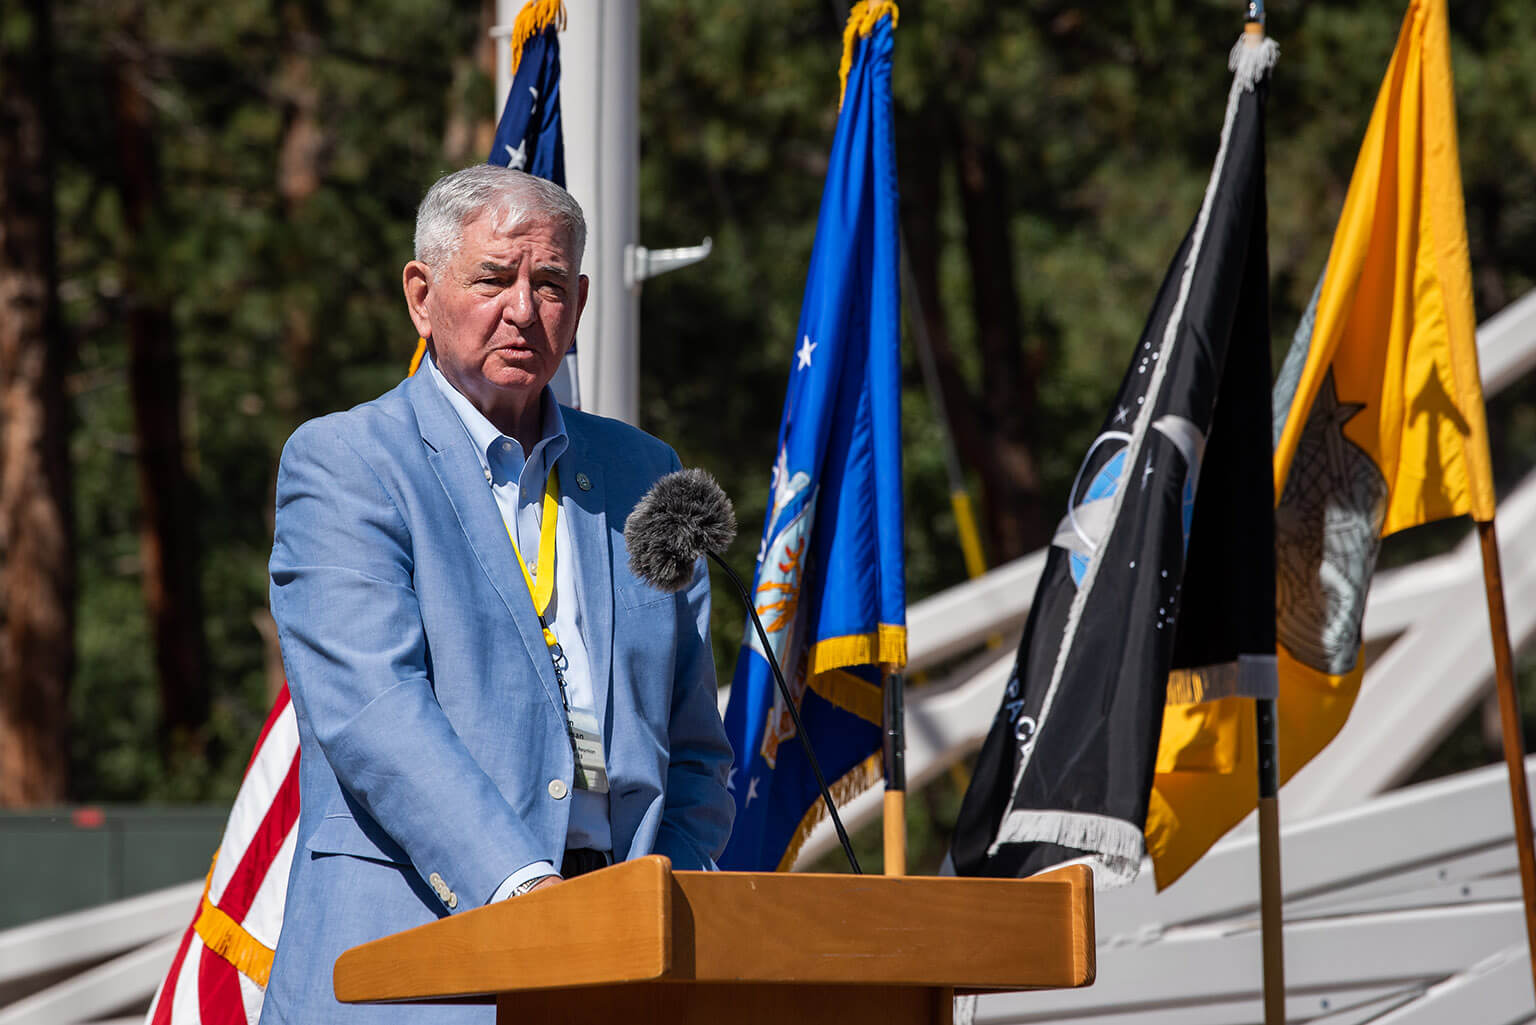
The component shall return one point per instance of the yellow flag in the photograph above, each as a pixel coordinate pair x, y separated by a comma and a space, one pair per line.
1379, 427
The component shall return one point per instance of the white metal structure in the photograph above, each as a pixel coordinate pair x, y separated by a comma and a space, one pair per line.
1404, 909
1400, 909
600, 118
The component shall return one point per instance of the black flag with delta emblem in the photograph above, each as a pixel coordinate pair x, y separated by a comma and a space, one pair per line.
1159, 586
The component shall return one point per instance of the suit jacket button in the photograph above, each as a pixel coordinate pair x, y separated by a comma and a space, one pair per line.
583, 482
452, 900
557, 789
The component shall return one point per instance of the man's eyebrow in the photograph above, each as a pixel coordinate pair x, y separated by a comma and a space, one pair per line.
549, 267
489, 267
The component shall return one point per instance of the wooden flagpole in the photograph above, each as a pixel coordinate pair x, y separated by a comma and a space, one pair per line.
895, 756
1271, 914
1509, 718
1271, 893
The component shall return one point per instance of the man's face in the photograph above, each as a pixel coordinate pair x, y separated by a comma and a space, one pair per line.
502, 313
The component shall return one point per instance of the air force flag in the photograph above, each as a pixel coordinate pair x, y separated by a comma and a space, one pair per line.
829, 585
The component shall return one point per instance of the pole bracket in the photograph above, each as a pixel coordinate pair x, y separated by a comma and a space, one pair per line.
641, 263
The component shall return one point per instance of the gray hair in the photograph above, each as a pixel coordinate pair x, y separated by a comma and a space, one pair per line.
456, 199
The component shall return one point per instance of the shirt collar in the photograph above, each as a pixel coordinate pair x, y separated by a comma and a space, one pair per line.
484, 435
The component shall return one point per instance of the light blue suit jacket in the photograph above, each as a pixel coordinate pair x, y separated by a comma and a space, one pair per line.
430, 722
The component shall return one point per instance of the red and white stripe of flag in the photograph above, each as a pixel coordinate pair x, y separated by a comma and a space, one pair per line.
220, 971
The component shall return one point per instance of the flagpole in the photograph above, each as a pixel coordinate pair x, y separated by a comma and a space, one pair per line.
1509, 717
895, 757
1271, 914
1271, 892
959, 496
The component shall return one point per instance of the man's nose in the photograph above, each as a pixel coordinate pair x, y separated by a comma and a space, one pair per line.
518, 309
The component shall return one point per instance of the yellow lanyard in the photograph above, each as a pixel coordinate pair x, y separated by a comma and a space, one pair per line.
542, 587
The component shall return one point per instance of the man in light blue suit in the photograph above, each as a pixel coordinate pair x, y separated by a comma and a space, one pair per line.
488, 699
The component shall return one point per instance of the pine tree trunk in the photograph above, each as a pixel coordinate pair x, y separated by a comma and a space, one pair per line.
37, 574
1010, 383
168, 528
994, 425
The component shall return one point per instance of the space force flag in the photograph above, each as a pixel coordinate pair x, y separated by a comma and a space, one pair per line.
1378, 425
1159, 585
828, 584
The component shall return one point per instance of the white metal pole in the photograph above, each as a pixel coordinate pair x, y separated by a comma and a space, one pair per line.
600, 117
506, 14
600, 111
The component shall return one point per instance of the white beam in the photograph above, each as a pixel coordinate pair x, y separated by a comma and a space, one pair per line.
95, 933
1222, 963
105, 989
1389, 839
1497, 989
1505, 349
1421, 687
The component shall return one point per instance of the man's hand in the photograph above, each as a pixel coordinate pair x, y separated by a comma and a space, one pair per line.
536, 884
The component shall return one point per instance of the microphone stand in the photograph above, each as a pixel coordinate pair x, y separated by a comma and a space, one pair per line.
789, 702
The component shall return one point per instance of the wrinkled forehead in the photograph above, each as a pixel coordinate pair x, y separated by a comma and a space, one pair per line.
509, 221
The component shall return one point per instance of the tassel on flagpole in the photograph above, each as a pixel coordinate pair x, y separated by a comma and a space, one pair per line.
535, 17
1252, 56
861, 21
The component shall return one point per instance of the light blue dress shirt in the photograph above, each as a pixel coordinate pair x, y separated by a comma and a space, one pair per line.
518, 486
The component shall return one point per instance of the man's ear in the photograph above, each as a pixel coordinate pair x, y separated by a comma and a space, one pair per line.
417, 280
581, 294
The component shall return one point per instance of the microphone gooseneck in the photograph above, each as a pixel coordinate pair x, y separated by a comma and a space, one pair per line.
683, 516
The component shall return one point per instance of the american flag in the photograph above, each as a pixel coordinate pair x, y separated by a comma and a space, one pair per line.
219, 974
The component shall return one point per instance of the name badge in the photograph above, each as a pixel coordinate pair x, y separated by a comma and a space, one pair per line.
591, 771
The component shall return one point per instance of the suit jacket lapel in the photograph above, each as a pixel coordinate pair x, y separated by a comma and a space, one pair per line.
453, 459
584, 510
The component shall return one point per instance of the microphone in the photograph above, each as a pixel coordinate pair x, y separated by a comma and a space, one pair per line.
686, 515
683, 516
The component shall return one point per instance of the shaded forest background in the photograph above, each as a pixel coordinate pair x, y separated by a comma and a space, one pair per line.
204, 208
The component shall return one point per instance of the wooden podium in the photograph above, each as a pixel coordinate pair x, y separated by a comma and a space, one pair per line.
640, 943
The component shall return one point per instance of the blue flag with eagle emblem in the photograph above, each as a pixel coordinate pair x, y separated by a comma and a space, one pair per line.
529, 138
1159, 587
829, 581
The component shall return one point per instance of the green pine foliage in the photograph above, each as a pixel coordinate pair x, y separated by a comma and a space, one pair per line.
1099, 121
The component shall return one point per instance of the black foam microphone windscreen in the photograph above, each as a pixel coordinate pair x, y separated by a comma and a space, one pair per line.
683, 516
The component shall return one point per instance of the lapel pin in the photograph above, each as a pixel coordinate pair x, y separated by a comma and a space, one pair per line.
583, 482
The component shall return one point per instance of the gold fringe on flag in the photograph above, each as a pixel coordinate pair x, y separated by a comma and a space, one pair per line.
853, 695
866, 14
228, 939
535, 17
887, 645
857, 780
421, 354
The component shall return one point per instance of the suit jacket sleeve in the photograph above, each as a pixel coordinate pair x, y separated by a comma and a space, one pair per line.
696, 821
356, 657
